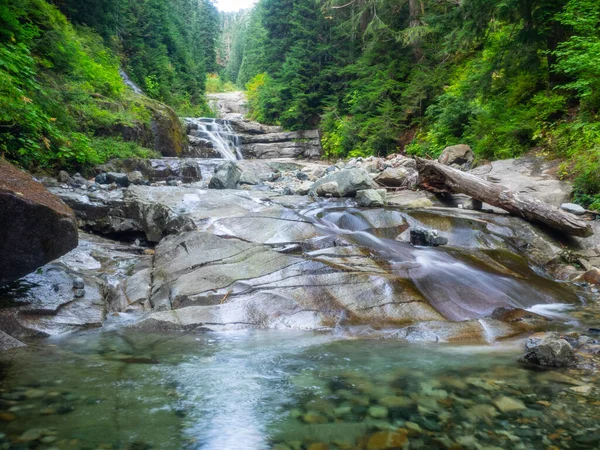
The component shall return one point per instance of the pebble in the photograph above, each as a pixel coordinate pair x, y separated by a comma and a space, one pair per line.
378, 412
386, 440
78, 283
508, 404
32, 434
7, 417
313, 417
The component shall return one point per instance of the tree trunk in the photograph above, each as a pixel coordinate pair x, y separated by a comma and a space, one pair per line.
439, 178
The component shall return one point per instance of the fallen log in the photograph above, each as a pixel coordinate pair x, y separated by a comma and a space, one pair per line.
439, 178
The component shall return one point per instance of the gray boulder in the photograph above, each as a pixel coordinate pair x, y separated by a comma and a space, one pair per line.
549, 349
371, 197
135, 177
227, 176
398, 177
343, 183
459, 156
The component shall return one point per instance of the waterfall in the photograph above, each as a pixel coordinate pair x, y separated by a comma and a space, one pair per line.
129, 82
217, 134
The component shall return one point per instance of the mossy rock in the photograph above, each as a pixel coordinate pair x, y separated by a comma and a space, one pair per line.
169, 136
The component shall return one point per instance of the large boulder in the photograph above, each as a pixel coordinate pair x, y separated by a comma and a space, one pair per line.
343, 183
406, 177
169, 136
35, 226
459, 156
531, 175
227, 176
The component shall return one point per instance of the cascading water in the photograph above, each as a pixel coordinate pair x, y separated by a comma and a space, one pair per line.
218, 134
459, 285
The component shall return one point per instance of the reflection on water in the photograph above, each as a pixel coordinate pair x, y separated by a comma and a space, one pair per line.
285, 390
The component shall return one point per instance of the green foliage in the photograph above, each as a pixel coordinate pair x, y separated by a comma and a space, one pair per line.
165, 47
214, 84
59, 89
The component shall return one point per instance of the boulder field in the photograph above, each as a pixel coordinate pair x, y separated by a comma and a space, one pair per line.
213, 245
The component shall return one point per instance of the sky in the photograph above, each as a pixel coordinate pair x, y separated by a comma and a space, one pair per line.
234, 5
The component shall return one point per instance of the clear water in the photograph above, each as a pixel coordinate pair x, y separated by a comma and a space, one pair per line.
284, 390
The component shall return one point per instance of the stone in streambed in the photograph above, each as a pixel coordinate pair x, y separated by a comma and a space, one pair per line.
508, 404
383, 440
424, 237
549, 349
35, 226
227, 176
400, 177
343, 183
378, 412
592, 276
371, 197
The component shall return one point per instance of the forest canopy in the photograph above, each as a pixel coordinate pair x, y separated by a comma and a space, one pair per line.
382, 76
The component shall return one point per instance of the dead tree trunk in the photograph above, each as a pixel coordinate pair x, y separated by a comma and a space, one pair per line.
439, 178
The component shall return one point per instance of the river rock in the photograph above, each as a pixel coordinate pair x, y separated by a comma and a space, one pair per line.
430, 238
532, 175
135, 177
343, 183
227, 176
459, 156
592, 276
573, 209
549, 349
35, 226
405, 177
509, 405
7, 342
371, 197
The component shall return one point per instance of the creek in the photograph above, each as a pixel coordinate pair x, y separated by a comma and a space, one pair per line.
261, 318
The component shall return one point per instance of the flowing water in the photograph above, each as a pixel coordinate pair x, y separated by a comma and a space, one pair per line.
283, 390
459, 285
220, 134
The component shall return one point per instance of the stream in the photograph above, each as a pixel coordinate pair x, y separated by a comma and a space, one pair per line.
284, 390
264, 318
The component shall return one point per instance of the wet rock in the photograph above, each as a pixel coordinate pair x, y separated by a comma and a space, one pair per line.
35, 226
592, 276
425, 237
78, 283
120, 179
371, 197
383, 440
313, 417
549, 349
573, 209
459, 156
227, 176
509, 405
344, 183
7, 342
378, 412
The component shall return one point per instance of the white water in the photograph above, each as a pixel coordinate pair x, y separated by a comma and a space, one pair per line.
129, 82
221, 135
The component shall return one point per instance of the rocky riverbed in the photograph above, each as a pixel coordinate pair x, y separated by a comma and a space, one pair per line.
180, 253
